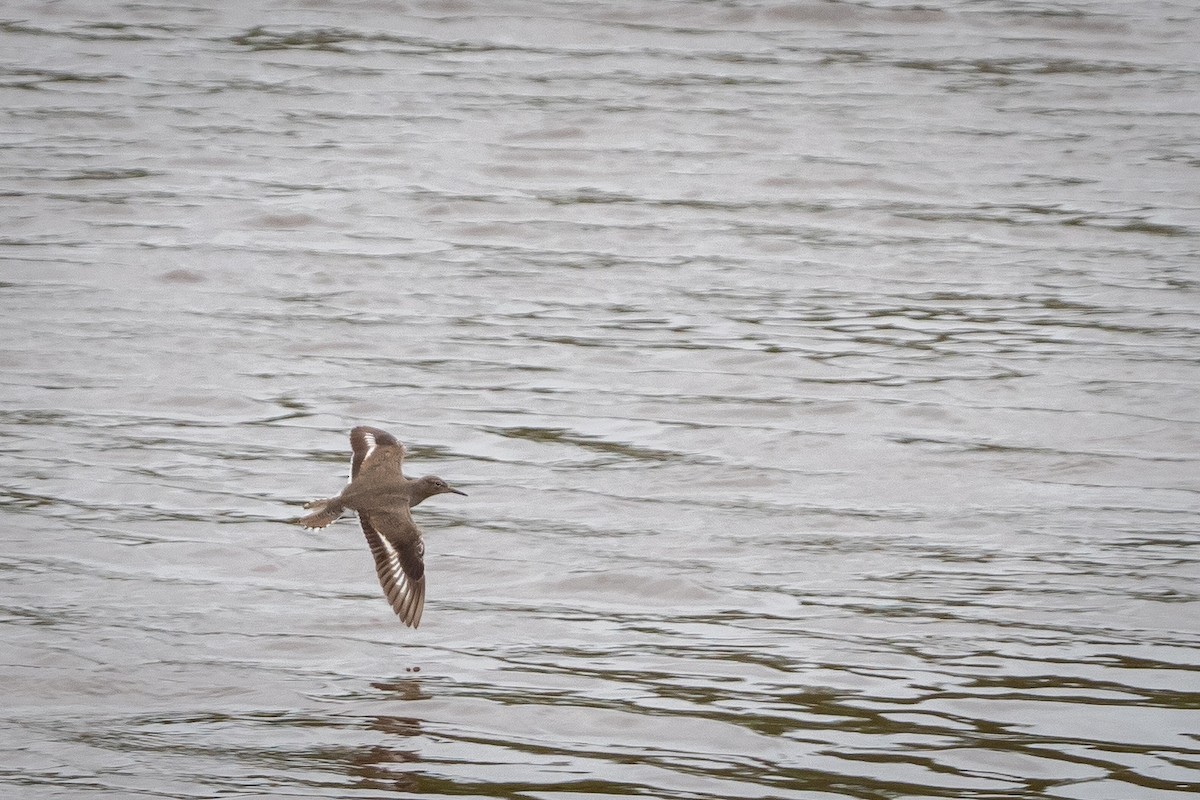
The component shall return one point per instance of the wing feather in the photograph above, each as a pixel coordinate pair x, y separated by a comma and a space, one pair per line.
371, 445
399, 555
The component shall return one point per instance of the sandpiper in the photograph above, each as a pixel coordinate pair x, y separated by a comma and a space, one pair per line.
381, 494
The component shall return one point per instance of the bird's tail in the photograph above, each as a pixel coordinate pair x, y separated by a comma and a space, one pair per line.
323, 513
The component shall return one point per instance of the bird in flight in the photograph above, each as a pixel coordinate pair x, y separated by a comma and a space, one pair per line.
383, 497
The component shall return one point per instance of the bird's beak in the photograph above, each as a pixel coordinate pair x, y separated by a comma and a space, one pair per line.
452, 490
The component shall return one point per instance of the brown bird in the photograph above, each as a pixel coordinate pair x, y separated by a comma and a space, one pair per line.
381, 494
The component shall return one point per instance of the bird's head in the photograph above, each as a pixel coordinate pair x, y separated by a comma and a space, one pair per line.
431, 485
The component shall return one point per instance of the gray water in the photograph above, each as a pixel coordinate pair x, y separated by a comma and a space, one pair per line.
823, 375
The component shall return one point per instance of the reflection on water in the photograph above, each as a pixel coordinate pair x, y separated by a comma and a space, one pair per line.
822, 375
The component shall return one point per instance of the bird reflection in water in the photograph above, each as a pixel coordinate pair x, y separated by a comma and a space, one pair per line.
384, 767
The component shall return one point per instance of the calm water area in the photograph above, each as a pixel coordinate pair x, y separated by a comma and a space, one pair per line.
824, 377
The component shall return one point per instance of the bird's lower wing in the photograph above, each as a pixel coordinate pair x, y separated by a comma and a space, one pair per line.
399, 561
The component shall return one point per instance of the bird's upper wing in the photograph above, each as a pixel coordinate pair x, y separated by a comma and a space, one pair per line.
374, 447
399, 560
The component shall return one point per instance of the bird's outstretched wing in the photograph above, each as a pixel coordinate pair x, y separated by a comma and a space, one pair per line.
374, 448
399, 554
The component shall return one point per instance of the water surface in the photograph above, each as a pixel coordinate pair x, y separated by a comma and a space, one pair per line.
823, 376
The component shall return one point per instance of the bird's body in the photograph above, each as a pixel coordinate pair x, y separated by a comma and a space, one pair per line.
383, 497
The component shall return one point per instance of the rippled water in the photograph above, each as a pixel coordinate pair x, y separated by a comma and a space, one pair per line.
823, 376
